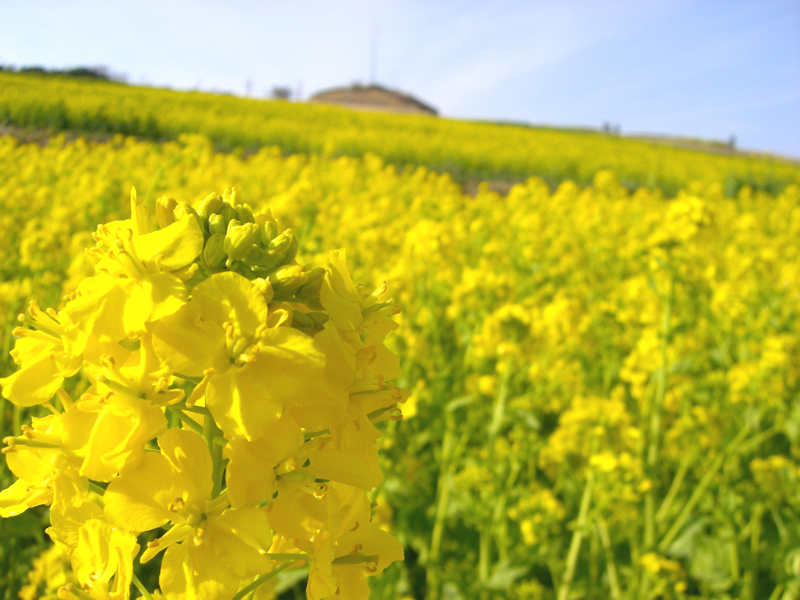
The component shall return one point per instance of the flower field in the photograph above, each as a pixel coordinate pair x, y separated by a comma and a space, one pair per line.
467, 150
603, 373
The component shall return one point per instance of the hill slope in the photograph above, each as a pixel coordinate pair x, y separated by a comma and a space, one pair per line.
467, 150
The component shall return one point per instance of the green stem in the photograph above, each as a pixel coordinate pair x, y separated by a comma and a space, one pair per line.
139, 586
259, 580
200, 410
655, 423
186, 420
211, 432
289, 556
17, 420
484, 550
611, 567
751, 583
699, 491
663, 511
443, 490
577, 537
96, 488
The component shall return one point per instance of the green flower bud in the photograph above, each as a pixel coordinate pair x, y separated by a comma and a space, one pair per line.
216, 224
310, 289
209, 205
244, 214
268, 232
310, 323
319, 318
287, 279
239, 239
214, 250
278, 250
227, 213
165, 211
253, 257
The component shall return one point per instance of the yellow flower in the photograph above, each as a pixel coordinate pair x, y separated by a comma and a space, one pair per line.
102, 552
42, 359
46, 474
138, 281
337, 566
209, 547
253, 371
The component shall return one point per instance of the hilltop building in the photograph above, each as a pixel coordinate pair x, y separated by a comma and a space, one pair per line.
373, 97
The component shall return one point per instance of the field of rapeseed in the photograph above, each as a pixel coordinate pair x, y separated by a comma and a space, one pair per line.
603, 382
469, 151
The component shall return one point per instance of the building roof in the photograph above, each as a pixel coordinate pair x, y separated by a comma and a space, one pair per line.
373, 97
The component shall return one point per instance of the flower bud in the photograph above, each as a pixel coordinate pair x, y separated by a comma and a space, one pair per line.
165, 211
277, 250
244, 214
211, 204
267, 232
287, 279
217, 224
310, 289
239, 239
227, 213
214, 250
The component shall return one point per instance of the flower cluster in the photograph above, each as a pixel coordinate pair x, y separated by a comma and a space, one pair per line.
228, 416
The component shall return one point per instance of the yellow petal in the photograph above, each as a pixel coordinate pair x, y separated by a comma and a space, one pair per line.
188, 454
338, 294
39, 376
190, 572
351, 581
138, 499
64, 527
230, 297
323, 405
250, 472
350, 456
188, 345
246, 401
20, 496
98, 310
240, 539
178, 245
94, 559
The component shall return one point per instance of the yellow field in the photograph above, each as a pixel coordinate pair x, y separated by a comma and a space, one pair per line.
467, 150
605, 383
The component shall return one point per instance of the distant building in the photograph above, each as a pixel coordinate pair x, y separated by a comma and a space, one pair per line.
373, 97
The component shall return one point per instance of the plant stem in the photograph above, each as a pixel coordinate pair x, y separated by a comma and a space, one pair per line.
751, 578
611, 567
259, 580
484, 548
186, 420
700, 490
577, 537
139, 586
96, 488
210, 433
289, 556
663, 511
655, 422
443, 490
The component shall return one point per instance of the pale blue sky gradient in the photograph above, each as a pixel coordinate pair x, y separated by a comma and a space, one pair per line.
700, 68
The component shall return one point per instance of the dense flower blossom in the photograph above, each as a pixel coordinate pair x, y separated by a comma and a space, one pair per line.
273, 379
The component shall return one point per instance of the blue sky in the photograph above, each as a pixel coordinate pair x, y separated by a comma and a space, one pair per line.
698, 68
